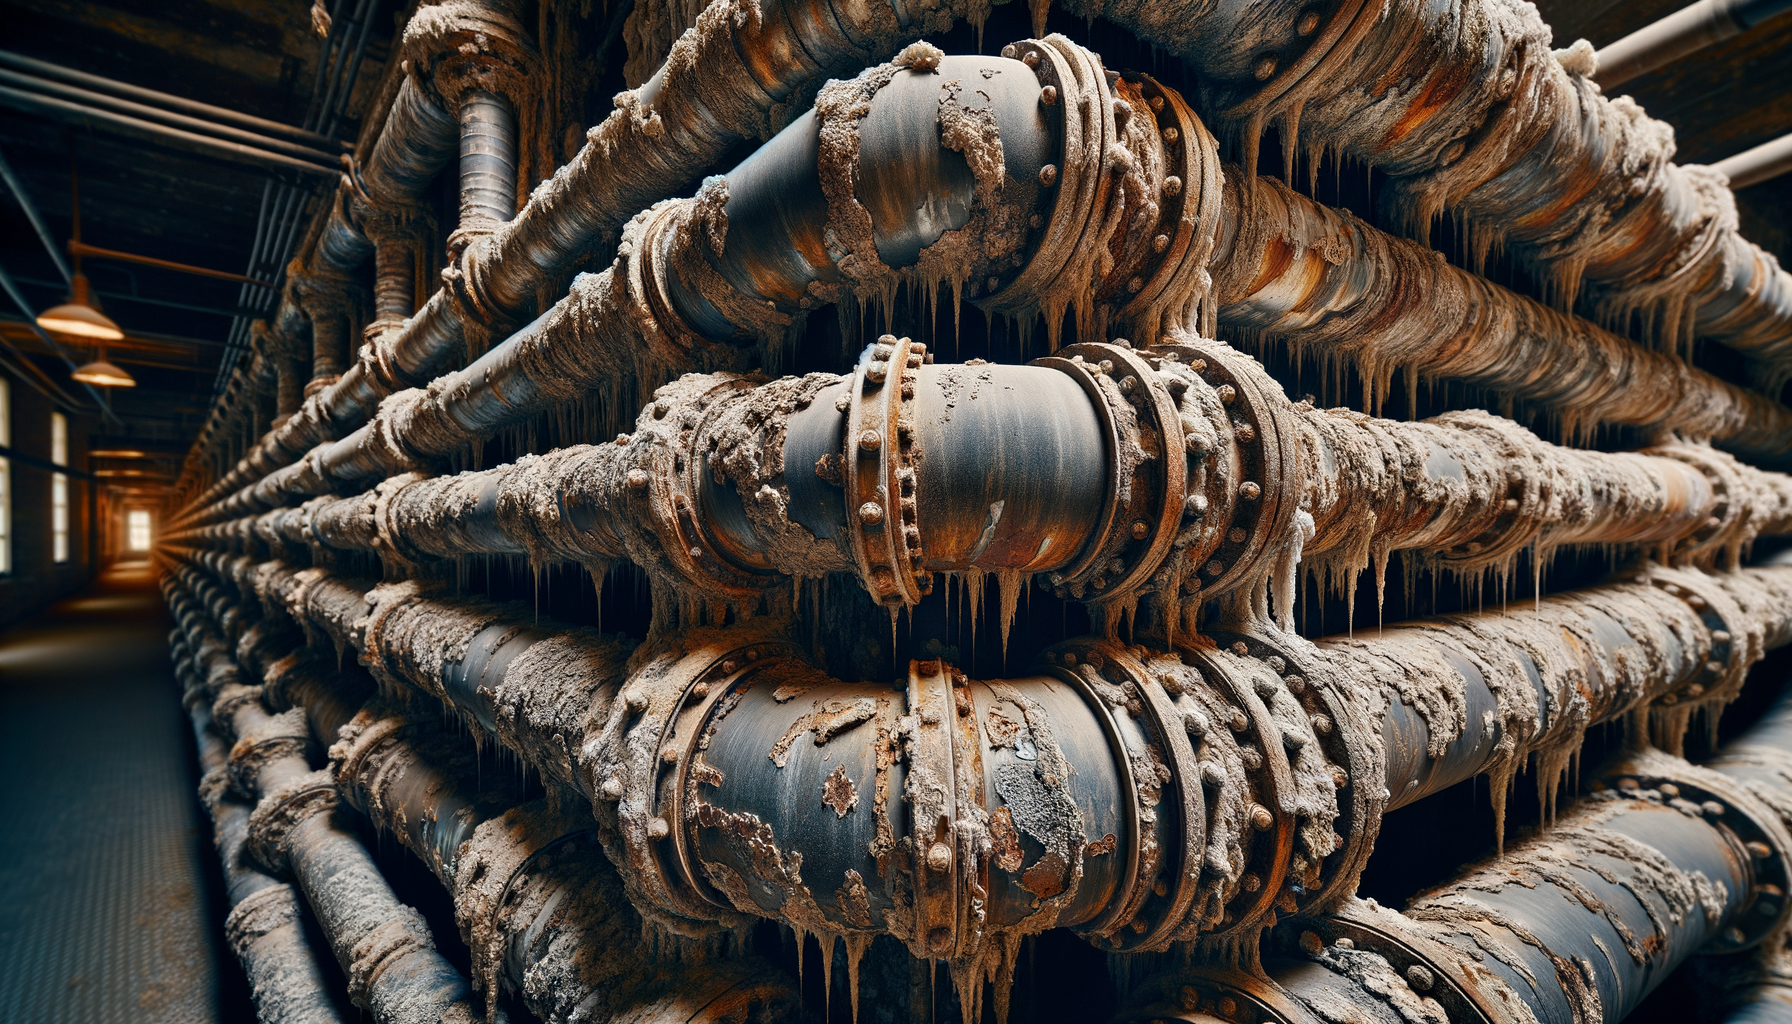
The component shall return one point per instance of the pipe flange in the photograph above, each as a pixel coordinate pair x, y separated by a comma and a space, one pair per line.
285, 735
262, 912
1266, 483
1523, 510
1344, 738
1166, 284
946, 865
1430, 968
649, 783
1763, 844
1727, 529
1164, 879
1269, 832
1065, 233
1232, 996
1331, 26
283, 810
712, 684
883, 525
1146, 483
1727, 663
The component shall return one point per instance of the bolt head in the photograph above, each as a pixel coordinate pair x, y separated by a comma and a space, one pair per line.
1172, 185
939, 858
637, 479
1049, 95
1048, 175
1249, 490
871, 513
1307, 25
659, 828
1264, 68
870, 440
1140, 530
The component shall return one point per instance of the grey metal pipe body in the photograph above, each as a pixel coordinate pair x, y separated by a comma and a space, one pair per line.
487, 160
1681, 34
1762, 163
1273, 752
142, 112
265, 927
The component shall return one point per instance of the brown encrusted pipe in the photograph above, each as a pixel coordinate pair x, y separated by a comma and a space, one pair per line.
538, 903
382, 945
725, 81
1576, 924
729, 487
1241, 775
265, 927
1492, 125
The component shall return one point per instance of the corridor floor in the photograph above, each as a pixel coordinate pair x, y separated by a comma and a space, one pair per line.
107, 913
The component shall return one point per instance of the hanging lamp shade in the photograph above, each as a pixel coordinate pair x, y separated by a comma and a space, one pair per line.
78, 318
101, 373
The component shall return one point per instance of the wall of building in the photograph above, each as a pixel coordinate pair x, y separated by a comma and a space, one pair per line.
34, 579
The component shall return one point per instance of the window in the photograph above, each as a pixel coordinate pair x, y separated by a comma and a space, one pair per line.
136, 524
59, 488
5, 479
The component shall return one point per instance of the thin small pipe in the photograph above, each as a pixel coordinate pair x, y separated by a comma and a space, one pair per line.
36, 219
1765, 162
201, 145
31, 65
1680, 35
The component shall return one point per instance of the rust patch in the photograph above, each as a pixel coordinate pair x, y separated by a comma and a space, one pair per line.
1006, 839
1045, 878
1103, 845
838, 792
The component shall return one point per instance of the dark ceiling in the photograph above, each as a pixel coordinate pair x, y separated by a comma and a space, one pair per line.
260, 57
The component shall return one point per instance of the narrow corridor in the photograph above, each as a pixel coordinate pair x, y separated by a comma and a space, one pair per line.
107, 913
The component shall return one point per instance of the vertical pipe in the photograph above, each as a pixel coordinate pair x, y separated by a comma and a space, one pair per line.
487, 160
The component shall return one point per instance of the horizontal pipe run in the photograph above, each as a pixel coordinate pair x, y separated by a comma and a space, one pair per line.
1685, 32
1577, 924
383, 946
729, 488
722, 85
1259, 789
1323, 281
205, 111
194, 125
1765, 162
175, 138
265, 927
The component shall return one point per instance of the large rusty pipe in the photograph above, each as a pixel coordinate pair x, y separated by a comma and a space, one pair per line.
747, 284
382, 945
725, 81
1180, 472
1487, 121
1237, 775
1580, 923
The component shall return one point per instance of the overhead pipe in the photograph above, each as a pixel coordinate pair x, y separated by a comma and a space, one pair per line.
1765, 162
1486, 121
276, 159
701, 280
1241, 772
1679, 35
382, 945
44, 69
1578, 924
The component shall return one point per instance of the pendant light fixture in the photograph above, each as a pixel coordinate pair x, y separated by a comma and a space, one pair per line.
79, 318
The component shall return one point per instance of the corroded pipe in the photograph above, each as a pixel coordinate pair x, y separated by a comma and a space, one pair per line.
382, 945
538, 903
1578, 924
1466, 108
1176, 473
731, 78
1210, 785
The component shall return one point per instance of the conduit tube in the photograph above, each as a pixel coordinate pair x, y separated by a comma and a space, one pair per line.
1236, 775
1682, 33
265, 927
383, 946
727, 487
1488, 122
538, 902
1579, 924
1323, 280
731, 78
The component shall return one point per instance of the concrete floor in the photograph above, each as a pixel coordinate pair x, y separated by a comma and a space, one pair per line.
109, 903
